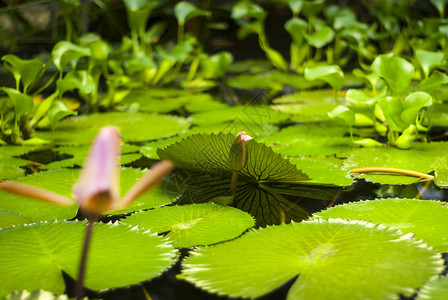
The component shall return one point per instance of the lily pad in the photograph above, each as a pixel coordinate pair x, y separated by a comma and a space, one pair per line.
134, 127
427, 219
195, 224
422, 157
434, 290
332, 258
35, 295
148, 101
10, 164
271, 80
324, 170
34, 255
261, 184
62, 181
129, 154
254, 114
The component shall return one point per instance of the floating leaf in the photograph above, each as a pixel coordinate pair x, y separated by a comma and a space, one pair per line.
423, 157
426, 219
261, 184
34, 255
23, 103
434, 290
332, 258
195, 224
133, 127
35, 295
254, 114
62, 181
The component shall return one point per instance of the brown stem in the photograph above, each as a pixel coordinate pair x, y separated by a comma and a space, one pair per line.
393, 170
79, 290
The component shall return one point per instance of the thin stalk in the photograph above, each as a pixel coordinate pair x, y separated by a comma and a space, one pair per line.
234, 182
394, 171
82, 265
180, 33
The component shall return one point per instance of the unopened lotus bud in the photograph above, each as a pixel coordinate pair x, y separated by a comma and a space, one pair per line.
238, 151
97, 189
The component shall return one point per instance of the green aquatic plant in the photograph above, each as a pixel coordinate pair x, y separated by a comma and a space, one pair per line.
97, 189
263, 184
264, 259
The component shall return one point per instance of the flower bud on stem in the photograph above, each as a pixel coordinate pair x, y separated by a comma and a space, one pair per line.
238, 157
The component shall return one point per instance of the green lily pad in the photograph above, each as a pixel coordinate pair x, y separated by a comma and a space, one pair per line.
332, 258
241, 114
195, 224
422, 157
317, 145
426, 219
134, 127
34, 255
149, 101
310, 111
35, 295
261, 183
324, 170
434, 290
129, 154
314, 96
256, 130
62, 181
10, 164
271, 80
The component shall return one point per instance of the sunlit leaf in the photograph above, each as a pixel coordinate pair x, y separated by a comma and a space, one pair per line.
195, 224
35, 295
332, 74
426, 219
34, 255
62, 181
332, 258
133, 127
422, 157
434, 290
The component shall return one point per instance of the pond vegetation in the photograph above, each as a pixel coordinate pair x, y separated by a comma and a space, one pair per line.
153, 165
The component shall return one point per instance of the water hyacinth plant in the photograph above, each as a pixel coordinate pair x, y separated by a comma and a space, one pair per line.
97, 189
